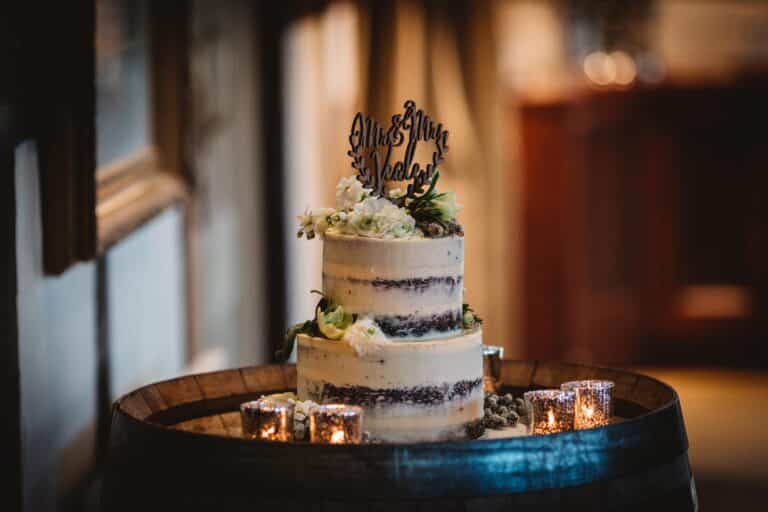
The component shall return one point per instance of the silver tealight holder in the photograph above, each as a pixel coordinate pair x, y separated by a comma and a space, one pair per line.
594, 402
335, 424
267, 420
550, 411
492, 356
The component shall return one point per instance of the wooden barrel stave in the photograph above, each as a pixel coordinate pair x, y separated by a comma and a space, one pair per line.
601, 469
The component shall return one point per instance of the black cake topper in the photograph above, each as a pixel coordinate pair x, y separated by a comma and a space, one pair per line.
368, 137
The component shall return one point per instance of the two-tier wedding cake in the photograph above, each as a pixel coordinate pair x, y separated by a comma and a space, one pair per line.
391, 332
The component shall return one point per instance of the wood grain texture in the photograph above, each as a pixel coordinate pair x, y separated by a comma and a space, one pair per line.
187, 453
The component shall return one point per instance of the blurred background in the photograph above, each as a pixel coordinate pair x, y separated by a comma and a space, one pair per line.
611, 158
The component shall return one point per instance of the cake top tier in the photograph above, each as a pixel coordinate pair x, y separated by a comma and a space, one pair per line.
411, 288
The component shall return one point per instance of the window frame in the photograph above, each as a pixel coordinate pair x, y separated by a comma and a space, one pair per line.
132, 190
84, 212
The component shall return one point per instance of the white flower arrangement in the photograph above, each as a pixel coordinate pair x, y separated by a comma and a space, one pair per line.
358, 213
377, 217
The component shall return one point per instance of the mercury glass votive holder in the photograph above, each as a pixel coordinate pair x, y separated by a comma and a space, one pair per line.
594, 402
335, 424
550, 410
267, 420
492, 356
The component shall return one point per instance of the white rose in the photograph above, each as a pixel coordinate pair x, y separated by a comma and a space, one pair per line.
378, 217
349, 192
365, 337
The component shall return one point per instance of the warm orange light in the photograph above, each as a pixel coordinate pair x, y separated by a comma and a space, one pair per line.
625, 68
588, 411
550, 418
337, 437
600, 68
616, 68
268, 432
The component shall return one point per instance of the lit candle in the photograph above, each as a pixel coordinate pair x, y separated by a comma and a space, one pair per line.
338, 437
267, 420
550, 410
492, 356
335, 424
594, 402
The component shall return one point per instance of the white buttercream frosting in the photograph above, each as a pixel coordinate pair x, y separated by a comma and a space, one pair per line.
415, 279
404, 365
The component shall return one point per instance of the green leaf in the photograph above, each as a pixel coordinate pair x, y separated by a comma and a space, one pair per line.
469, 318
289, 340
324, 304
426, 197
310, 328
432, 207
338, 317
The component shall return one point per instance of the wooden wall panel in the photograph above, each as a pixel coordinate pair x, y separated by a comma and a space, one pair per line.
545, 150
631, 197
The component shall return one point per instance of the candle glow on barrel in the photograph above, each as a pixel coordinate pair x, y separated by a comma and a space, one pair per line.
550, 411
594, 402
335, 424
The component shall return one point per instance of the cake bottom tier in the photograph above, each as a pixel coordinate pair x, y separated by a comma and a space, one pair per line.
410, 391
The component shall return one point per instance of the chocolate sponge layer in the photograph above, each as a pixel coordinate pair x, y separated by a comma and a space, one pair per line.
410, 326
369, 397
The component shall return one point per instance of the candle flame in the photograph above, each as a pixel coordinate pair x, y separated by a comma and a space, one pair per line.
550, 418
268, 432
588, 411
337, 437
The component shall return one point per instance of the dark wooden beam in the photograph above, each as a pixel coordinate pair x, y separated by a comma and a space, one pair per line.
10, 395
271, 19
10, 392
60, 105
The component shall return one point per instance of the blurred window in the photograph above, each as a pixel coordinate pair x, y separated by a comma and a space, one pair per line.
122, 79
140, 75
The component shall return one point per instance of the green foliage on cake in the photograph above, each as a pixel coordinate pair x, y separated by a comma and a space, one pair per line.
469, 319
332, 322
310, 328
435, 212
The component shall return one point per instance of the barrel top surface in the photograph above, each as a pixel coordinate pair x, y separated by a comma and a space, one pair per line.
195, 418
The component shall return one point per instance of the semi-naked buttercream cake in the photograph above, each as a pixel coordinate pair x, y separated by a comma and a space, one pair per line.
391, 332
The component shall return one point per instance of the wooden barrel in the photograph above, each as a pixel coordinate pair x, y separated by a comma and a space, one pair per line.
176, 445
